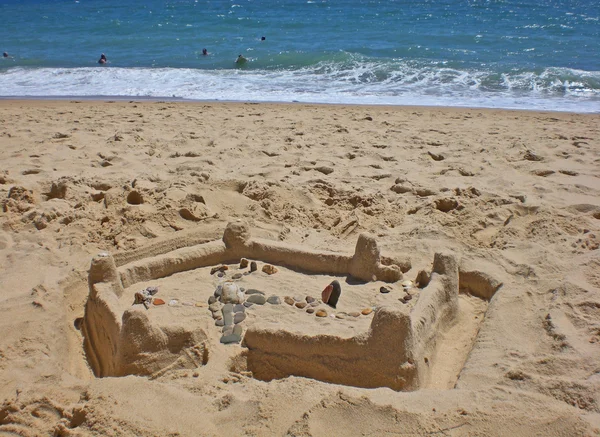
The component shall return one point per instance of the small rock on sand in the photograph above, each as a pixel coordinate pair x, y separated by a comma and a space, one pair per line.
289, 300
269, 269
274, 300
243, 263
157, 301
321, 313
258, 299
310, 310
301, 305
367, 311
253, 266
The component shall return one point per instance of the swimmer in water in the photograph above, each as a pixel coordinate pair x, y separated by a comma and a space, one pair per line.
102, 59
5, 55
204, 52
240, 60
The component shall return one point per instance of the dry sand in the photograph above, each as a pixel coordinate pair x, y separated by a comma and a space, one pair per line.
514, 194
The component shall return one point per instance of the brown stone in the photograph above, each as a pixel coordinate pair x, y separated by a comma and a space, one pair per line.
288, 300
157, 301
243, 263
340, 316
220, 268
310, 310
269, 269
321, 313
301, 305
367, 311
354, 314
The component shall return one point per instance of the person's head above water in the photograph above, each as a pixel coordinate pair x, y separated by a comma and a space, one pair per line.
5, 54
204, 52
263, 38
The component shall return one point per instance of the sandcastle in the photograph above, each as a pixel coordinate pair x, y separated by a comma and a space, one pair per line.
121, 339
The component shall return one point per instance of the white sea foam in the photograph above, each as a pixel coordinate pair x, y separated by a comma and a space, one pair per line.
357, 84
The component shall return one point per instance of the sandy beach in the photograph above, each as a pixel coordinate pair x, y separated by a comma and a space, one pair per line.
512, 196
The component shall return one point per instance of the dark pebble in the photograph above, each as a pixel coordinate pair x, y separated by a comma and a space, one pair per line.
253, 266
384, 290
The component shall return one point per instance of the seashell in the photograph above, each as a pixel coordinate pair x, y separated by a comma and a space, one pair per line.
173, 302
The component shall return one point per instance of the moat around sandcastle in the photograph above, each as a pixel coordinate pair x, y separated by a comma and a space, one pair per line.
169, 311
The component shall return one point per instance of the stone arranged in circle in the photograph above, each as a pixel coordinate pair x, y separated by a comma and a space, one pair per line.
288, 300
214, 307
253, 266
239, 308
354, 314
321, 313
315, 303
298, 298
384, 290
212, 300
310, 310
239, 317
218, 291
301, 305
310, 299
274, 300
253, 291
243, 263
231, 293
219, 322
228, 314
237, 276
248, 304
220, 274
258, 299
235, 336
158, 301
331, 293
340, 316
367, 311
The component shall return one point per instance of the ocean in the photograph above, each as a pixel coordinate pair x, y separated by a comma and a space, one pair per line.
535, 54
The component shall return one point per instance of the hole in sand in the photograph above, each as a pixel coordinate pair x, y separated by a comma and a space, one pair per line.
371, 339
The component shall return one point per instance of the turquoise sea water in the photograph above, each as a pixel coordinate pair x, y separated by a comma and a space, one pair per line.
542, 54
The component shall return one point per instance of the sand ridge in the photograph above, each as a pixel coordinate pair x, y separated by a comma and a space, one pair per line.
514, 194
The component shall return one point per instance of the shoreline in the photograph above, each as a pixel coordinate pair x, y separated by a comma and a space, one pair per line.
137, 99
